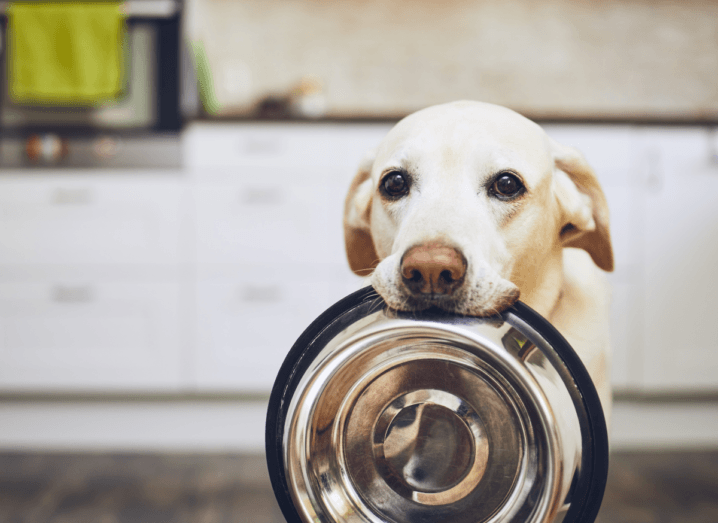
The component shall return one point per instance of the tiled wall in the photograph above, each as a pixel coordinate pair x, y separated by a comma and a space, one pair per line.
553, 58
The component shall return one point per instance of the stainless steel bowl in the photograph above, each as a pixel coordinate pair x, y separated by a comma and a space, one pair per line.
381, 416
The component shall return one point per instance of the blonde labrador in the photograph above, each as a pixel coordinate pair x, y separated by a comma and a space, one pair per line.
468, 206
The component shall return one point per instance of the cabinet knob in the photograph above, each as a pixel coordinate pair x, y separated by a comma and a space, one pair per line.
260, 293
261, 196
262, 146
72, 293
654, 172
72, 196
713, 147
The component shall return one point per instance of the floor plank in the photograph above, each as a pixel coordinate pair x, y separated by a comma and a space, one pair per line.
643, 487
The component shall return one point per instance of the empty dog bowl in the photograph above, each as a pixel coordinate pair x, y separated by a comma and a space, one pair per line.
381, 416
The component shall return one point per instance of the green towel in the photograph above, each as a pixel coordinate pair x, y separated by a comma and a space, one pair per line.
65, 53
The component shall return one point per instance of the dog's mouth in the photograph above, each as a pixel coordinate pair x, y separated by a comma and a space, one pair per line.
459, 302
417, 302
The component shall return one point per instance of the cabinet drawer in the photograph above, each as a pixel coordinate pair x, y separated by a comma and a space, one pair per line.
81, 219
626, 205
610, 151
247, 323
625, 329
265, 221
79, 334
228, 145
681, 349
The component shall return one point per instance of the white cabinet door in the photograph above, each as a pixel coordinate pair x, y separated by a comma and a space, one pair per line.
248, 319
626, 332
90, 218
626, 203
681, 288
84, 334
267, 221
213, 146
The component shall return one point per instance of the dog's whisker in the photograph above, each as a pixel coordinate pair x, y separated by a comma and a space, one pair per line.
376, 305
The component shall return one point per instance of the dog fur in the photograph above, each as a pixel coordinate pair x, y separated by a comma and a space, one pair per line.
549, 246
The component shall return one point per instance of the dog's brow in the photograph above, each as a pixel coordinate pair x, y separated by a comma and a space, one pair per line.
393, 166
400, 157
400, 161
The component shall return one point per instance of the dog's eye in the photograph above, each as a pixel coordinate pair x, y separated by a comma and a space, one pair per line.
507, 185
395, 184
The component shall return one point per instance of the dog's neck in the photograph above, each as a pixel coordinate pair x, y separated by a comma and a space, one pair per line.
543, 293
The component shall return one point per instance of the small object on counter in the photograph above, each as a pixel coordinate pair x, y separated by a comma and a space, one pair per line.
273, 108
307, 100
46, 148
106, 147
205, 82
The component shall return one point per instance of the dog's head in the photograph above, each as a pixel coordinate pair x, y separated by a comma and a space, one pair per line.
465, 205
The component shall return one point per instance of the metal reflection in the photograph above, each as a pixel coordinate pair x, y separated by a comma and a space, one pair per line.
436, 419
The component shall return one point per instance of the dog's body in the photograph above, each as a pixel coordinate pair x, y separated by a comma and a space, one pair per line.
467, 206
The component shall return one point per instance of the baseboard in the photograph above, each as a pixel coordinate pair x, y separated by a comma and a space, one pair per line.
227, 425
671, 425
182, 426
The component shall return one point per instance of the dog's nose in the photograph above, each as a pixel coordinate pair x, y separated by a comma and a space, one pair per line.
433, 269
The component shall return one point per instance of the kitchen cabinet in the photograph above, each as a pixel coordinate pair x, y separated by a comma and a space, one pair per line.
662, 188
267, 219
95, 217
93, 294
680, 351
201, 279
249, 316
610, 151
270, 257
210, 147
83, 333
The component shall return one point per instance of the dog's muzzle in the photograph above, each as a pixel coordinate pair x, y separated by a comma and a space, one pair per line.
381, 416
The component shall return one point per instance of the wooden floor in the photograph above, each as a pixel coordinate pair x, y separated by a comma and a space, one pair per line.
79, 488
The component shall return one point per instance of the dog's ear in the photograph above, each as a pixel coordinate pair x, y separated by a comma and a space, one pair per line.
361, 252
585, 211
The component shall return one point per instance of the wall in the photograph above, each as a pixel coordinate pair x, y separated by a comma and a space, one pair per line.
550, 59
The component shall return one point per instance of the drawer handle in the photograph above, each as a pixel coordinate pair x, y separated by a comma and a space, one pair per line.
713, 147
260, 294
72, 293
654, 174
66, 196
259, 146
261, 196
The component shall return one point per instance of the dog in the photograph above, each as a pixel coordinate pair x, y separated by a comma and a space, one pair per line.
468, 206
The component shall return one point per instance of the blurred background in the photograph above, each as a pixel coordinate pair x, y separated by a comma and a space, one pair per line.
172, 176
